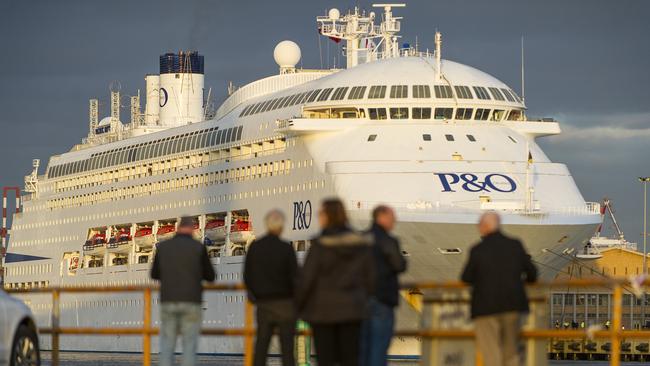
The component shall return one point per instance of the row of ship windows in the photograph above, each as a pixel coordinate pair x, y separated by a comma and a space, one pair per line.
165, 166
448, 137
379, 92
149, 150
462, 114
268, 192
28, 269
220, 177
47, 240
28, 285
106, 303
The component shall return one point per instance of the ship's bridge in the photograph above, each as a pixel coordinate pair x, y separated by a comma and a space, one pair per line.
410, 87
414, 80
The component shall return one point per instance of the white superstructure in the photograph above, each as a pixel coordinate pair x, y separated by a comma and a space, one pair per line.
438, 140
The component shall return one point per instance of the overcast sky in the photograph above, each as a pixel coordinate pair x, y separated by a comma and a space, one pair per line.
587, 65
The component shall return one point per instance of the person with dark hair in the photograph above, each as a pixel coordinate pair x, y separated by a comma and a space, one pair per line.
181, 264
270, 274
378, 328
336, 282
496, 269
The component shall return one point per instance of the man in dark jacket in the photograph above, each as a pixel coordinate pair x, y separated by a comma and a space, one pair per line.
377, 330
181, 264
270, 275
495, 270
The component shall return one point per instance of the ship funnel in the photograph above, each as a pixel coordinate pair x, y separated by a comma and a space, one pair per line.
181, 88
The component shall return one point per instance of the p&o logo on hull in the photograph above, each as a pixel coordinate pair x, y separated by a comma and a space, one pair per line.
473, 183
301, 215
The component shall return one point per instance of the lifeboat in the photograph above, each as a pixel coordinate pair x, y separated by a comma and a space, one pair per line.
143, 237
241, 231
215, 231
166, 232
96, 244
120, 242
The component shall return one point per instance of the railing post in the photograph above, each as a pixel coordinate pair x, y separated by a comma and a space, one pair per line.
55, 326
478, 358
248, 338
615, 331
146, 335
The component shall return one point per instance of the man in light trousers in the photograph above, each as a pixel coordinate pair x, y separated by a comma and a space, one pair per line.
496, 269
181, 264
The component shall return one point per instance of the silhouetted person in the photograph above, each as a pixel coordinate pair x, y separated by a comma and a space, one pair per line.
181, 264
335, 286
495, 270
270, 275
378, 328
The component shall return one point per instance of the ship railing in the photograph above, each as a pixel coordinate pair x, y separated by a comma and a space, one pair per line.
429, 296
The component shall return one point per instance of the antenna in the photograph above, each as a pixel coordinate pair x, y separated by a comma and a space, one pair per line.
135, 110
115, 88
523, 80
438, 41
93, 116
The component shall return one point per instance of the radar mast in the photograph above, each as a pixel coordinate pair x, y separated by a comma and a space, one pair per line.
359, 31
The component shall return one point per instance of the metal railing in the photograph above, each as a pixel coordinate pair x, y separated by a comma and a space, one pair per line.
615, 333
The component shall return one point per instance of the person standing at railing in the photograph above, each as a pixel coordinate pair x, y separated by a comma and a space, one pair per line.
270, 276
336, 282
181, 264
377, 329
496, 269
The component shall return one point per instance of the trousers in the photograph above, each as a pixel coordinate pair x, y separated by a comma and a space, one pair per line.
337, 344
179, 318
271, 315
376, 334
497, 337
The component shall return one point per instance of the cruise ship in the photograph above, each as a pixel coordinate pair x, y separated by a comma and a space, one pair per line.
439, 141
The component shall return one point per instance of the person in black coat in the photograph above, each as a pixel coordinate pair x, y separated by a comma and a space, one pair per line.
336, 282
378, 328
270, 274
496, 269
181, 264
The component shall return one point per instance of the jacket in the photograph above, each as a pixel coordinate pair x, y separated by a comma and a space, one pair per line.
389, 262
496, 269
337, 278
270, 269
181, 264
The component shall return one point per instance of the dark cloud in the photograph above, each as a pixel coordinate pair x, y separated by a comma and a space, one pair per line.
586, 64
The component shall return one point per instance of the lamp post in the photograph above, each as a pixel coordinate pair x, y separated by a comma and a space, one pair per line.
645, 181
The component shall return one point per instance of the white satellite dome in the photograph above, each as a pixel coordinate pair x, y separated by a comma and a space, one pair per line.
287, 54
106, 121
